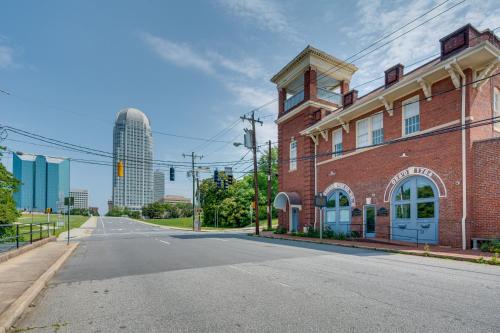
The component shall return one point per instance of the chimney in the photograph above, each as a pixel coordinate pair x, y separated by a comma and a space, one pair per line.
350, 98
393, 74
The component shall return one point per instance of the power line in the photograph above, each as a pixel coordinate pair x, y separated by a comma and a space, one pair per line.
97, 152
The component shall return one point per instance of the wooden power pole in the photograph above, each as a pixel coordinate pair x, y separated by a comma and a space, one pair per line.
269, 189
252, 120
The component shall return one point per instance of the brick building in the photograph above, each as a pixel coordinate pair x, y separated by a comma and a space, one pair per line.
394, 163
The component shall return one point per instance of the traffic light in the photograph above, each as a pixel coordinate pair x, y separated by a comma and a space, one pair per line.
225, 184
172, 174
120, 170
230, 179
216, 175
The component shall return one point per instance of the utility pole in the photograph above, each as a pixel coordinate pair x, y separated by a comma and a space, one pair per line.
252, 120
193, 176
269, 210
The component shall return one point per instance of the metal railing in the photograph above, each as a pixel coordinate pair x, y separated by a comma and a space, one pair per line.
355, 231
294, 100
329, 96
19, 234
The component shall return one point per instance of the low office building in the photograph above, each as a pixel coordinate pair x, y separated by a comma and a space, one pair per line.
175, 199
44, 182
81, 198
414, 160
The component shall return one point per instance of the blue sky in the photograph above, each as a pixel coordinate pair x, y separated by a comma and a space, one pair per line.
192, 66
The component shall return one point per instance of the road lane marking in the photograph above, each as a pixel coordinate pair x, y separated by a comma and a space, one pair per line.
220, 239
102, 222
164, 242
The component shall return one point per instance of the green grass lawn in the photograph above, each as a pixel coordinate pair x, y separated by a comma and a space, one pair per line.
75, 221
187, 223
181, 222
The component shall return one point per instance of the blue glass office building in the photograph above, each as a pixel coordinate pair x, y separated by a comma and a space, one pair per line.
44, 182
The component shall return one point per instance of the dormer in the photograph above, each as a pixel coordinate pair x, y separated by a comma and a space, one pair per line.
313, 77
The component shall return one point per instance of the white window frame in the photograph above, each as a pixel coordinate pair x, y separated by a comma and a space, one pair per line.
335, 153
412, 100
293, 159
370, 129
496, 108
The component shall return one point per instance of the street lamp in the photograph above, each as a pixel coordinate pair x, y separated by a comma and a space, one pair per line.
237, 144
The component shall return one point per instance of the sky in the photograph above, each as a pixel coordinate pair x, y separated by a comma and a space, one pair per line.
194, 67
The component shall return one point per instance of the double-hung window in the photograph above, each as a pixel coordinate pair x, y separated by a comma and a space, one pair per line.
363, 133
337, 142
496, 109
293, 155
377, 128
370, 131
411, 116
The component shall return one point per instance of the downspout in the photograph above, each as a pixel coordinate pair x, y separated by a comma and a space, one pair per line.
464, 161
315, 183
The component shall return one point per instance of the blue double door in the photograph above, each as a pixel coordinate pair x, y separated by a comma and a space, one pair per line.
338, 212
415, 211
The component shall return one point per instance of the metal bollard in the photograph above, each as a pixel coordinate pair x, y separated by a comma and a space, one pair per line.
17, 235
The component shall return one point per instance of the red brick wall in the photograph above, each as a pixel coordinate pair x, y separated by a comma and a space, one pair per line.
369, 172
300, 180
486, 204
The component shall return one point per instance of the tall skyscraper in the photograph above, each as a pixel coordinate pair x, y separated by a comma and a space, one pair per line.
81, 198
132, 146
44, 182
159, 185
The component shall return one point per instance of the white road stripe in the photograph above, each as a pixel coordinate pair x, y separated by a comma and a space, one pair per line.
102, 222
220, 239
164, 242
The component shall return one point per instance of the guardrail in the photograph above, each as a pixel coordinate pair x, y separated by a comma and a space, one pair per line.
16, 235
355, 231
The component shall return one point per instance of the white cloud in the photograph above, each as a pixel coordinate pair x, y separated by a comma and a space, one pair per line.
266, 15
179, 54
209, 62
252, 97
377, 18
6, 57
248, 67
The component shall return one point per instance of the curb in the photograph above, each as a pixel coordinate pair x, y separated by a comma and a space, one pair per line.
16, 309
14, 253
189, 229
407, 252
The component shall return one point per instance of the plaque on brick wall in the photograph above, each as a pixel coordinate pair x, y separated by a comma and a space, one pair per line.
382, 211
356, 212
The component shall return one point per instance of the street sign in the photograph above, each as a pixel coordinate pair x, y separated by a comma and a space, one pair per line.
69, 201
320, 200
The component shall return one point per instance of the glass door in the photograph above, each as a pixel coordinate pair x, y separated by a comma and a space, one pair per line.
369, 220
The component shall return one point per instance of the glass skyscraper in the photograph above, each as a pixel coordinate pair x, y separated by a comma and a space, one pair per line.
159, 185
132, 146
44, 182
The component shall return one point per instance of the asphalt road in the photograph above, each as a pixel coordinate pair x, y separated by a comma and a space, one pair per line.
131, 277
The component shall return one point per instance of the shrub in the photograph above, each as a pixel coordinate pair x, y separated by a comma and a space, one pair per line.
280, 230
491, 246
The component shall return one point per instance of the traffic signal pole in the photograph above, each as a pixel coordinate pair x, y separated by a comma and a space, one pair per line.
252, 120
193, 176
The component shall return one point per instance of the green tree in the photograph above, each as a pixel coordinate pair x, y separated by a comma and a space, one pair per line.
8, 185
234, 203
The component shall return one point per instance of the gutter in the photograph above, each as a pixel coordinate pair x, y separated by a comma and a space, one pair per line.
457, 68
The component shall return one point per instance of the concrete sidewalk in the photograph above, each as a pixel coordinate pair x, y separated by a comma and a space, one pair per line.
23, 277
85, 230
432, 251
